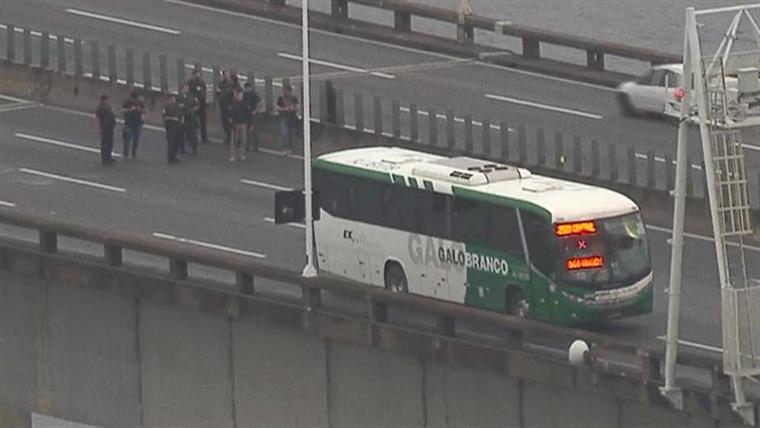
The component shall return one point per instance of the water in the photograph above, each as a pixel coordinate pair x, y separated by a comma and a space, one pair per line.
653, 24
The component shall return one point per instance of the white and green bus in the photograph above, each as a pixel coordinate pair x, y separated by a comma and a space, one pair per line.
481, 233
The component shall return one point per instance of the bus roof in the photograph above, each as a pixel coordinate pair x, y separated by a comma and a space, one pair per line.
561, 200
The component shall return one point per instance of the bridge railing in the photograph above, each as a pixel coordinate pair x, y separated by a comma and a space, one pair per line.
635, 364
531, 37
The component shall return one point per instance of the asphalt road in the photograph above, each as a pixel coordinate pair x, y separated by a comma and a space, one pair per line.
49, 165
426, 79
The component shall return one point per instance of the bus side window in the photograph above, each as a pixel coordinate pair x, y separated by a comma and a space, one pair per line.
538, 234
333, 192
504, 230
366, 206
468, 222
432, 212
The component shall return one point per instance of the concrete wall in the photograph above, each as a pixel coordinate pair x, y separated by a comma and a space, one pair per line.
107, 359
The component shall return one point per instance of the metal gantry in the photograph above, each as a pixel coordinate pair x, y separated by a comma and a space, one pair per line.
722, 96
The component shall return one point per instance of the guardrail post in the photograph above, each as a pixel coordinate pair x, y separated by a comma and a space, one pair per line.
113, 254
396, 119
359, 112
277, 2
486, 128
113, 74
377, 112
633, 178
402, 21
78, 66
577, 156
522, 145
60, 53
130, 65
650, 367
95, 59
595, 60
540, 147
504, 140
147, 75
531, 48
339, 8
446, 325
612, 161
163, 74
48, 241
651, 175
178, 269
689, 177
180, 73
703, 176
340, 109
669, 174
10, 43
27, 44
45, 50
414, 127
595, 168
244, 282
468, 138
268, 93
559, 152
323, 103
450, 135
432, 127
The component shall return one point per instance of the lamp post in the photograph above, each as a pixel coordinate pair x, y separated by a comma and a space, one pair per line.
310, 269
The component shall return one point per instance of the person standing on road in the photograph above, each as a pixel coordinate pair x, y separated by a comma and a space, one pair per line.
172, 115
198, 90
239, 116
253, 106
133, 109
190, 109
224, 98
287, 107
106, 125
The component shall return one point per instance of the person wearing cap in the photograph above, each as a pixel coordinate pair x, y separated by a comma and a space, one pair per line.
198, 90
133, 110
252, 104
106, 125
287, 108
173, 114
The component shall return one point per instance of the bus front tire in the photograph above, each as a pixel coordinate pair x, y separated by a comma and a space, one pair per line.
517, 303
395, 278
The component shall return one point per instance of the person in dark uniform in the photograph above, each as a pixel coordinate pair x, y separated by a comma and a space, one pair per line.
190, 120
198, 90
106, 125
172, 115
224, 98
252, 104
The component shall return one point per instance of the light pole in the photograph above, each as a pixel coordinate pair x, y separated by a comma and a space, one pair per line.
310, 269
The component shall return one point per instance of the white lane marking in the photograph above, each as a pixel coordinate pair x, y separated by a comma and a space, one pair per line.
338, 66
544, 106
14, 99
17, 107
72, 180
265, 185
311, 30
91, 115
208, 245
695, 345
122, 21
7, 204
298, 225
60, 143
699, 237
36, 33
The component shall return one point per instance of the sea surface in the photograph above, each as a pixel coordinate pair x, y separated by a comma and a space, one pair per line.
654, 24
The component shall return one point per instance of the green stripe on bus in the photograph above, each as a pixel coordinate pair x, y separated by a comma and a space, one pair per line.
351, 170
428, 184
399, 179
413, 183
501, 200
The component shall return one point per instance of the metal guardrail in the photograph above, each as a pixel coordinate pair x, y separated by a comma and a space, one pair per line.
531, 37
517, 331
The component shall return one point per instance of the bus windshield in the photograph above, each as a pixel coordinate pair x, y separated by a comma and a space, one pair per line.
603, 254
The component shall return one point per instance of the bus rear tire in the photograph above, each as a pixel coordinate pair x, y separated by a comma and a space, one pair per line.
517, 303
395, 278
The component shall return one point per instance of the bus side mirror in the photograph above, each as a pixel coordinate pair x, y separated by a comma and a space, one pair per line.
290, 206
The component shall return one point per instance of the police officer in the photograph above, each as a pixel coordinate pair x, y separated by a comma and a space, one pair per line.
224, 97
198, 90
190, 120
172, 115
106, 126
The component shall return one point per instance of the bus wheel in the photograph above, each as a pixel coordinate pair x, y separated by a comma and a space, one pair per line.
395, 279
517, 303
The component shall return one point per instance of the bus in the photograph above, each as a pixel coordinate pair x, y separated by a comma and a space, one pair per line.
481, 233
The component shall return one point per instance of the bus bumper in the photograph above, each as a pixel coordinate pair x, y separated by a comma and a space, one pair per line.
574, 312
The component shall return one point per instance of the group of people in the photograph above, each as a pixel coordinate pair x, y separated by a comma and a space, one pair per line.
185, 120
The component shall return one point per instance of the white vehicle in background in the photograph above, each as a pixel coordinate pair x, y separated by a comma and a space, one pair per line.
657, 91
